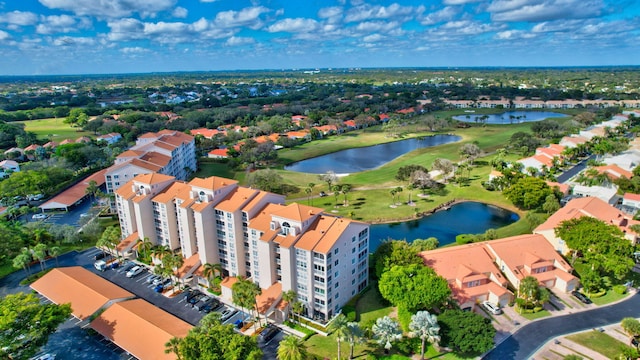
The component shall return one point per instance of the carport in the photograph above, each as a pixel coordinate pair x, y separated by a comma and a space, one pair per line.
74, 194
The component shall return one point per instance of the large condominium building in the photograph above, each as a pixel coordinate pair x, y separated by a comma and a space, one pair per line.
167, 152
251, 233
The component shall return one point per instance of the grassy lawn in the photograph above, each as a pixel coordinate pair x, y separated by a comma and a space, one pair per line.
54, 129
599, 342
536, 315
208, 168
609, 297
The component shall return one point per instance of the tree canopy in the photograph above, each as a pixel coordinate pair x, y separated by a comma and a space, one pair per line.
26, 323
392, 253
415, 287
528, 192
466, 332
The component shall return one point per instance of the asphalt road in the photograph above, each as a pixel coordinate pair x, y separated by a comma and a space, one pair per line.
526, 341
565, 176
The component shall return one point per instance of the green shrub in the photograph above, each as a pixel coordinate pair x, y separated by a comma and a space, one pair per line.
620, 289
404, 317
350, 312
408, 345
465, 239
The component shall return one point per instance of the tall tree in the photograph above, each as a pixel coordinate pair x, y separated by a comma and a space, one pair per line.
244, 293
210, 271
23, 260
289, 296
26, 324
354, 336
414, 287
466, 332
425, 326
292, 348
386, 331
40, 253
340, 330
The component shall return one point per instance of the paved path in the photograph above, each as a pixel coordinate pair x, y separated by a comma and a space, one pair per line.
529, 338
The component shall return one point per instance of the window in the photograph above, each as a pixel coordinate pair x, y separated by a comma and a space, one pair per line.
336, 262
353, 239
336, 251
286, 228
353, 250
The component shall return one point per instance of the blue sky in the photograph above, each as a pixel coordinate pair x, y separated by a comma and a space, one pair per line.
123, 36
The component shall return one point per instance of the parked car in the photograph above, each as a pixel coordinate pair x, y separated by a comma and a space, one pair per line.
188, 293
100, 265
151, 279
323, 194
268, 333
580, 296
100, 255
195, 298
227, 313
203, 302
207, 308
158, 280
36, 197
492, 308
135, 271
160, 287
39, 216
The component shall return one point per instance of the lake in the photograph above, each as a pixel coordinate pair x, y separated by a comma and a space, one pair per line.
367, 158
462, 218
509, 117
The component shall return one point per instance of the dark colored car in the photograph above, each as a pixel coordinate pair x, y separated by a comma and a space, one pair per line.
195, 298
268, 333
323, 194
205, 301
160, 287
100, 255
580, 296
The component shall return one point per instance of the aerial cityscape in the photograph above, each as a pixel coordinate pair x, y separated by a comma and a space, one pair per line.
206, 179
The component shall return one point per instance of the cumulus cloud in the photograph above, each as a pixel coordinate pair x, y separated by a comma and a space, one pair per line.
4, 35
514, 34
238, 41
445, 14
71, 41
125, 29
249, 17
367, 12
377, 26
180, 12
330, 12
134, 50
61, 24
544, 10
465, 28
111, 8
19, 18
294, 25
458, 2
373, 38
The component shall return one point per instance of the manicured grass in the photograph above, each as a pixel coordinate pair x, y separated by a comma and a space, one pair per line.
54, 129
371, 306
599, 342
208, 168
536, 315
609, 297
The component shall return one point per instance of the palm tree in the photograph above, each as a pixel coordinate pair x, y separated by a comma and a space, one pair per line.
40, 253
55, 252
289, 296
173, 262
355, 336
336, 192
160, 251
292, 348
173, 346
92, 189
345, 189
244, 293
209, 272
308, 191
425, 326
340, 329
144, 246
297, 308
386, 331
23, 260
393, 196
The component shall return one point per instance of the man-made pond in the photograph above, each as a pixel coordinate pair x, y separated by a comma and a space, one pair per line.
445, 225
509, 117
367, 158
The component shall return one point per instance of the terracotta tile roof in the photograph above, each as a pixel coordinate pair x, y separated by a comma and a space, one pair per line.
632, 197
255, 201
332, 235
297, 212
32, 147
148, 135
532, 250
228, 281
126, 190
128, 242
84, 290
135, 162
156, 158
140, 328
152, 178
164, 145
268, 297
76, 192
588, 206
212, 182
130, 153
262, 220
219, 152
297, 134
50, 144
314, 234
614, 171
177, 189
207, 133
189, 263
563, 188
236, 199
574, 139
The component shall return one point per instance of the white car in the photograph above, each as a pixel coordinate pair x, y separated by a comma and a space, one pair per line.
39, 216
227, 313
492, 308
134, 271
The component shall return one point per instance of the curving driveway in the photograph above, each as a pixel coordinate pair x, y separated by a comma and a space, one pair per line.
526, 341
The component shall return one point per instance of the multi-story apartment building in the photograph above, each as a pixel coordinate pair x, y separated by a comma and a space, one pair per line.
251, 233
167, 152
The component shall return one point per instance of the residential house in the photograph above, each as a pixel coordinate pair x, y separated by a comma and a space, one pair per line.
532, 255
110, 138
631, 203
473, 277
607, 193
14, 153
218, 153
586, 206
322, 257
613, 171
30, 151
627, 160
572, 141
7, 167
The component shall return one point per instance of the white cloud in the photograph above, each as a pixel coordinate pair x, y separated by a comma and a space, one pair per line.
180, 12
330, 12
19, 18
294, 25
71, 41
458, 2
249, 17
367, 12
4, 36
111, 8
61, 24
125, 29
134, 50
544, 10
377, 26
373, 38
514, 34
445, 14
238, 41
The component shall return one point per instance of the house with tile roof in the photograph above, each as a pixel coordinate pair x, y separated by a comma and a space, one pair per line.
631, 203
167, 152
251, 233
572, 141
110, 138
586, 206
7, 167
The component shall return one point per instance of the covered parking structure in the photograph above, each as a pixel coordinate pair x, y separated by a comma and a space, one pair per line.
74, 194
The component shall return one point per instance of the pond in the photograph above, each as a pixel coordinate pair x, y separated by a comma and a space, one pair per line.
462, 218
509, 117
367, 158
